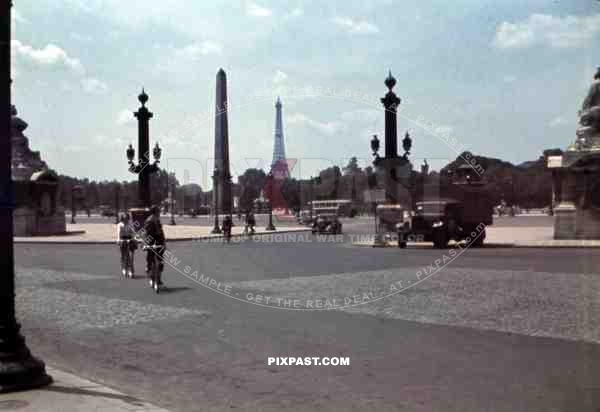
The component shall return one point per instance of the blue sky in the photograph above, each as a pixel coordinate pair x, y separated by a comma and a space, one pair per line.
503, 78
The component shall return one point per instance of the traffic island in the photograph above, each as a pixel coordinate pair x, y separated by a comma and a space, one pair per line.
503, 237
105, 233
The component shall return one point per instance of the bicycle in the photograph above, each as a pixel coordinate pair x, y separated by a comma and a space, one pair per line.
155, 267
127, 245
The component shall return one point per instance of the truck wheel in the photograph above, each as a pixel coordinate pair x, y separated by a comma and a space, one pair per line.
440, 239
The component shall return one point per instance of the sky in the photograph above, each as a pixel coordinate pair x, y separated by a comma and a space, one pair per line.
503, 79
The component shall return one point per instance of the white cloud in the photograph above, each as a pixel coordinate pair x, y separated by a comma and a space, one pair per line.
441, 130
296, 12
255, 10
93, 85
279, 77
125, 117
18, 17
48, 56
368, 116
509, 79
558, 121
110, 142
355, 26
328, 128
197, 50
544, 29
80, 37
75, 148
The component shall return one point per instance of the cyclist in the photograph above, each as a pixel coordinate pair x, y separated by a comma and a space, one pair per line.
250, 222
154, 238
126, 245
227, 225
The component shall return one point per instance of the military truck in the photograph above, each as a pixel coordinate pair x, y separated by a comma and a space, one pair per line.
458, 208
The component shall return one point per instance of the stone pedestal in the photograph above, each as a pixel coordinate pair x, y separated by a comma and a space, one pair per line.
576, 177
565, 221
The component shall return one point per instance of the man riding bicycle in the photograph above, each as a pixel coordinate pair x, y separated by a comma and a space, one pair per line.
250, 222
127, 245
154, 239
227, 225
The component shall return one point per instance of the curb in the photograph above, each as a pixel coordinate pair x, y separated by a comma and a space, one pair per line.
543, 244
178, 239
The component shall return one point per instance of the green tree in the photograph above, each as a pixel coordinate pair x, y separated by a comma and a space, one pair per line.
251, 183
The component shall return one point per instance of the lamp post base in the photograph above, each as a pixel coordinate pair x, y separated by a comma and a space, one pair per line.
19, 370
379, 241
216, 230
270, 227
138, 217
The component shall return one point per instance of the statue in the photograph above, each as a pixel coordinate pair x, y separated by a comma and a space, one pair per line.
425, 168
35, 187
588, 133
24, 161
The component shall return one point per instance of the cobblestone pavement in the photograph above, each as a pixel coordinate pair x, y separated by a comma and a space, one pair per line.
496, 329
72, 310
560, 305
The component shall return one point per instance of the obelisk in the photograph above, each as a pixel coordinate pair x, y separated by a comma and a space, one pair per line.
221, 177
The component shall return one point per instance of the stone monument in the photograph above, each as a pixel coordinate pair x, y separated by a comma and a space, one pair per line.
222, 202
35, 188
576, 175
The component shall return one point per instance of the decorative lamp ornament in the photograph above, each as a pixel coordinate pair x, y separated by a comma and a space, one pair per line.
143, 97
375, 145
407, 144
390, 81
157, 153
130, 153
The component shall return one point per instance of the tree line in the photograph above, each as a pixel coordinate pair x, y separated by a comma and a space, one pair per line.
527, 185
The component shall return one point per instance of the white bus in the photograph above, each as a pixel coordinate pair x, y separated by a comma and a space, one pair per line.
343, 206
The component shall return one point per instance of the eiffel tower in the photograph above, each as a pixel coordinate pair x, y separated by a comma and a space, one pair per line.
279, 167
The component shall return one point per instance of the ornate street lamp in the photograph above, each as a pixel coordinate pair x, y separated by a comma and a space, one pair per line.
171, 197
73, 205
394, 167
270, 226
75, 194
117, 201
143, 168
19, 370
311, 195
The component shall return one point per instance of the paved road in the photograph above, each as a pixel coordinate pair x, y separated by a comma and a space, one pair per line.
496, 329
